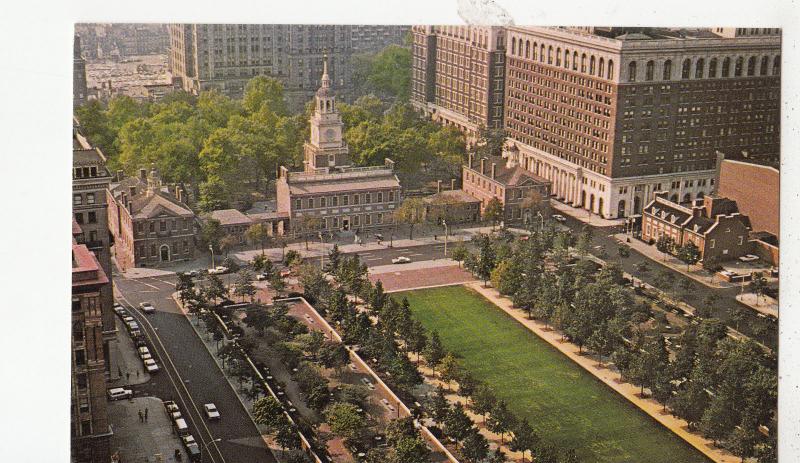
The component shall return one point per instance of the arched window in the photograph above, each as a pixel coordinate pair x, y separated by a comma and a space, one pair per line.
667, 73
632, 71
698, 68
764, 66
737, 71
648, 70
601, 68
558, 57
591, 65
751, 66
527, 49
575, 61
550, 54
712, 68
687, 66
566, 59
583, 62
513, 45
776, 65
541, 53
610, 69
726, 67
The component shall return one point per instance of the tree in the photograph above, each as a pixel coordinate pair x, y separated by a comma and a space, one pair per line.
264, 93
410, 449
215, 289
486, 259
439, 406
689, 254
483, 400
211, 233
665, 244
244, 284
641, 269
400, 429
268, 411
434, 351
685, 284
305, 224
501, 420
334, 260
345, 420
287, 436
493, 211
457, 423
459, 253
525, 438
665, 280
690, 402
411, 212
475, 446
449, 368
758, 285
258, 233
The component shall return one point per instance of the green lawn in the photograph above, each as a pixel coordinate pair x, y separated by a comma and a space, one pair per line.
562, 401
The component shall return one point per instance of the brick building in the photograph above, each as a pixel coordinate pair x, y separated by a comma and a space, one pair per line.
151, 223
503, 178
90, 428
453, 205
80, 91
458, 75
612, 116
330, 190
233, 222
226, 56
713, 224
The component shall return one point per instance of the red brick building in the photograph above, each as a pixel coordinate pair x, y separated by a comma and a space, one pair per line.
713, 224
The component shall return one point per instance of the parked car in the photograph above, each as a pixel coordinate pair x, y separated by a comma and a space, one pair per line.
119, 310
128, 319
194, 452
211, 411
170, 406
146, 356
151, 366
133, 326
143, 351
219, 270
559, 218
187, 440
118, 393
748, 258
147, 307
193, 273
401, 260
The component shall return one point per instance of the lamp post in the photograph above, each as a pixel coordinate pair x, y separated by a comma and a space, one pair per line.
444, 222
211, 248
321, 254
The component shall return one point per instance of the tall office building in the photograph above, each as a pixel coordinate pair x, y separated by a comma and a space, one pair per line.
226, 56
612, 116
458, 75
80, 92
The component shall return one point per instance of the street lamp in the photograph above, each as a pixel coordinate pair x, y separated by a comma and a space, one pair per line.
444, 222
211, 248
322, 253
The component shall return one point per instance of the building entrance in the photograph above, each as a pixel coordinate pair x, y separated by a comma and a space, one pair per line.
345, 224
164, 253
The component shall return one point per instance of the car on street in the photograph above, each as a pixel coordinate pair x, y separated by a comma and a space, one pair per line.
193, 273
119, 393
219, 270
559, 218
194, 452
118, 309
211, 411
128, 319
748, 258
151, 366
401, 260
146, 356
147, 307
187, 440
133, 326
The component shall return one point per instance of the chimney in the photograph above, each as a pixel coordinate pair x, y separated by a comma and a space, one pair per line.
438, 186
120, 175
452, 184
697, 211
494, 169
179, 194
133, 191
143, 175
470, 159
483, 166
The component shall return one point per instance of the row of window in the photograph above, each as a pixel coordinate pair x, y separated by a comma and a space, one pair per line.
710, 71
78, 199
155, 248
163, 225
551, 56
91, 217
344, 200
84, 172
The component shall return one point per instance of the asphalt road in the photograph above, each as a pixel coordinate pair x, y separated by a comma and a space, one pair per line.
190, 376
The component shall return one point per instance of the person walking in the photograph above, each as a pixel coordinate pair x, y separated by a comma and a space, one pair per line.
141, 417
145, 414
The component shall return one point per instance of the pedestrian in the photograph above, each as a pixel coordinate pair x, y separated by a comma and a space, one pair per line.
141, 417
145, 414
128, 375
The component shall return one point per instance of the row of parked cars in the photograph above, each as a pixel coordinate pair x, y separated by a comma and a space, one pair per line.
182, 429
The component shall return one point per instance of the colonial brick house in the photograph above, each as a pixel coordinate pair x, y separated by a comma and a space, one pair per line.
712, 223
455, 206
503, 178
233, 222
330, 191
150, 222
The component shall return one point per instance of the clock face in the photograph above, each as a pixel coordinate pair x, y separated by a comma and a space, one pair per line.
329, 134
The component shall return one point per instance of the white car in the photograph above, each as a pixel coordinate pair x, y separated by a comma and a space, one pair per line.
118, 309
211, 411
559, 218
401, 260
218, 270
147, 307
748, 258
118, 393
261, 277
151, 366
133, 326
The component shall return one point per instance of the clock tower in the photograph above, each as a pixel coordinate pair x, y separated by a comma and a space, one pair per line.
325, 148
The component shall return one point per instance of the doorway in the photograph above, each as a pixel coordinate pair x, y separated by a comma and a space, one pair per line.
346, 224
164, 251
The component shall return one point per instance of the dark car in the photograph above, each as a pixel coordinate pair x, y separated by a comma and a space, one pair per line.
194, 452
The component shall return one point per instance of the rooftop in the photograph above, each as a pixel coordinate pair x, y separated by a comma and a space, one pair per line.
508, 176
342, 182
85, 268
450, 196
230, 217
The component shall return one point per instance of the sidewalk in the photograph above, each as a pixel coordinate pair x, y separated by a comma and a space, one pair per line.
138, 442
125, 360
584, 215
610, 378
696, 272
762, 304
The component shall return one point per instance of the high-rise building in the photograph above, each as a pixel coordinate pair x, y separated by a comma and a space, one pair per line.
90, 428
226, 56
613, 116
80, 92
458, 75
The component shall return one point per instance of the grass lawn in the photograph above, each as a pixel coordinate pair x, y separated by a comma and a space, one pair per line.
566, 404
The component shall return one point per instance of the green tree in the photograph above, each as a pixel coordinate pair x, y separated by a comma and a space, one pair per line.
345, 420
258, 233
287, 436
449, 369
434, 351
475, 446
665, 245
501, 420
483, 400
211, 233
758, 285
268, 411
390, 72
525, 438
438, 406
410, 450
264, 93
215, 289
493, 211
244, 284
457, 423
459, 253
689, 254
411, 212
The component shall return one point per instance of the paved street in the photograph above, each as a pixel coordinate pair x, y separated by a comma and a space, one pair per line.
190, 376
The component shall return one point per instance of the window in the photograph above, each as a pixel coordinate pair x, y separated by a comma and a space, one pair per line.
153, 250
174, 224
667, 73
391, 196
367, 219
751, 66
92, 217
152, 227
322, 201
649, 69
185, 246
356, 220
712, 244
77, 200
311, 203
764, 66
298, 204
776, 66
90, 198
356, 197
379, 218
741, 240
334, 201
380, 197
687, 66
699, 68
737, 71
712, 68
162, 225
726, 67
631, 71
345, 200
367, 198
80, 355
